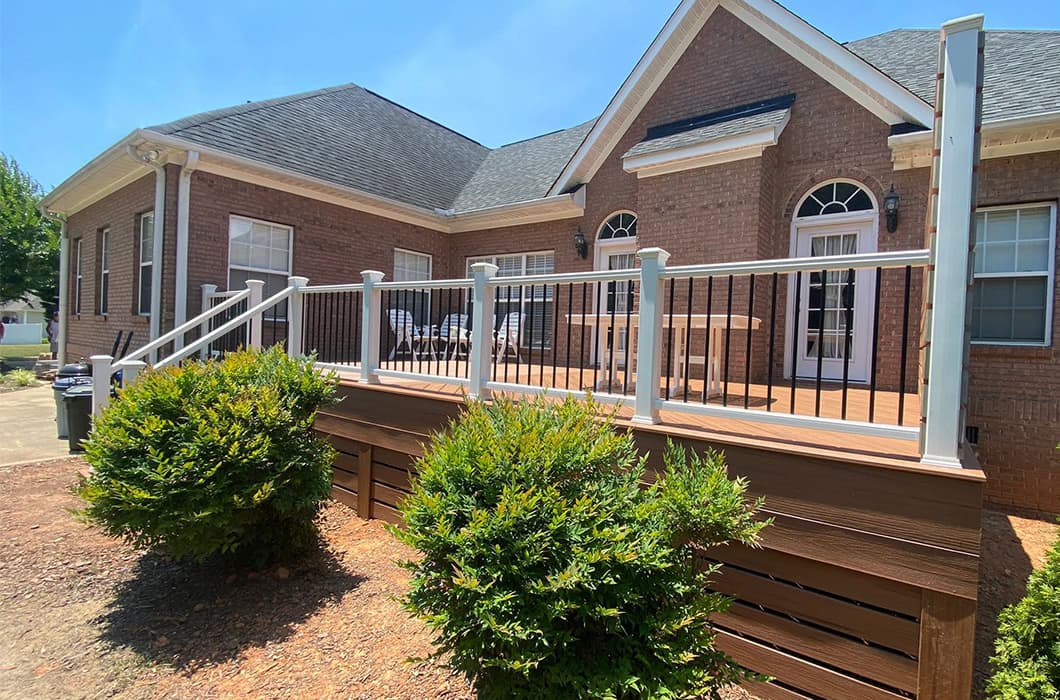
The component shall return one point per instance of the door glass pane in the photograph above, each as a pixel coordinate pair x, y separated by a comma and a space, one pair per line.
828, 299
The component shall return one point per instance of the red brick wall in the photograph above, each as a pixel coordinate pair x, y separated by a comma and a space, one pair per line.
1013, 391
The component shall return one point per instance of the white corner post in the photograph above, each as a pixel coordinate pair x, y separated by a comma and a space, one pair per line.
208, 290
649, 336
371, 325
957, 140
294, 315
180, 268
101, 369
256, 288
481, 354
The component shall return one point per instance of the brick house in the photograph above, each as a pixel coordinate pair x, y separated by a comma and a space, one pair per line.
742, 134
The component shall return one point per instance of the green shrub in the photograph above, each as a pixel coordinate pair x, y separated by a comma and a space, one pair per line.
547, 571
211, 457
20, 378
1027, 651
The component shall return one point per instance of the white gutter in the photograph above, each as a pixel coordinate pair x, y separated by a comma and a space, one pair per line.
180, 301
925, 138
150, 158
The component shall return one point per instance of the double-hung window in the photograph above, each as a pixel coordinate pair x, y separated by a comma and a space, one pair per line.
145, 245
260, 250
104, 271
533, 301
1012, 294
410, 266
76, 301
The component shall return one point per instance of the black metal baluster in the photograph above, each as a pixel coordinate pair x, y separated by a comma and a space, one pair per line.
820, 342
570, 311
707, 369
797, 338
358, 300
448, 333
519, 331
581, 340
669, 342
848, 307
747, 352
875, 344
530, 335
599, 341
688, 337
772, 342
385, 325
628, 335
554, 341
544, 320
728, 336
905, 345
612, 338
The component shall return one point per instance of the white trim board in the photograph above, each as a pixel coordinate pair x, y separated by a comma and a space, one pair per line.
700, 155
848, 72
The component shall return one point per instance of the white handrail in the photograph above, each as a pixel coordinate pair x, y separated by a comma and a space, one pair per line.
560, 278
182, 329
225, 328
899, 258
428, 284
325, 288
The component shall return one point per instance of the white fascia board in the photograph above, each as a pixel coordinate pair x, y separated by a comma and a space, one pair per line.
855, 77
1000, 138
562, 206
91, 183
652, 68
700, 155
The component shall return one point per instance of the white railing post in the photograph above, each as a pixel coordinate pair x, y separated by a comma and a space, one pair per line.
208, 290
481, 353
257, 290
101, 370
371, 325
131, 370
294, 315
649, 335
957, 139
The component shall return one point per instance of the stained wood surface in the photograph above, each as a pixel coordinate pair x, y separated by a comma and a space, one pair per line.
947, 635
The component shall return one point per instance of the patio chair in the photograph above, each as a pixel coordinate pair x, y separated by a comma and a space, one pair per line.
455, 334
507, 337
404, 331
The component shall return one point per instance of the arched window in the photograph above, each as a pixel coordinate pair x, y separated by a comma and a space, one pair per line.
621, 225
835, 198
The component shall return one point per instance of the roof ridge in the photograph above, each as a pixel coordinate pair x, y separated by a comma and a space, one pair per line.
424, 118
547, 133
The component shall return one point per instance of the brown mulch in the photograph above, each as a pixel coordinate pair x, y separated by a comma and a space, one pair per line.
85, 616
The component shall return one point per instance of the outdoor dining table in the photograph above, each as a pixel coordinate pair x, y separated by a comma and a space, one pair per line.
680, 325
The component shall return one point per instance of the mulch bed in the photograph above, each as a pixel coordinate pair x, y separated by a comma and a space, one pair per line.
85, 616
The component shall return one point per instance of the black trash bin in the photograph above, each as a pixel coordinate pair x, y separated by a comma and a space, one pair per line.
68, 376
78, 402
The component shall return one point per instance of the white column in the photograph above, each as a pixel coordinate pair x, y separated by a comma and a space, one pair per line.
481, 353
958, 143
101, 369
294, 315
208, 290
371, 325
649, 335
180, 269
156, 255
64, 292
256, 288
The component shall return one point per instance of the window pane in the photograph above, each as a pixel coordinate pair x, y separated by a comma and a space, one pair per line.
260, 234
239, 230
1034, 223
1000, 226
240, 254
1033, 256
1009, 309
145, 290
259, 257
999, 257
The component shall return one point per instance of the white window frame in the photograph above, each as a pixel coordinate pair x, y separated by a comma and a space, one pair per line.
78, 277
104, 272
1049, 275
148, 263
272, 314
419, 254
525, 293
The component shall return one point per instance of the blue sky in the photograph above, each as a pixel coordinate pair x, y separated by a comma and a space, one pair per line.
77, 76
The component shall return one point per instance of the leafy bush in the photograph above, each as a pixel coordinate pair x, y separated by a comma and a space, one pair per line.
20, 378
549, 572
1027, 650
214, 456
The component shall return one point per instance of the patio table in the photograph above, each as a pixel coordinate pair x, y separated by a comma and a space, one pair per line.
681, 325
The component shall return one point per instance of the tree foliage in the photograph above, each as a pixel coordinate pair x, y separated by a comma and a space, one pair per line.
29, 242
548, 571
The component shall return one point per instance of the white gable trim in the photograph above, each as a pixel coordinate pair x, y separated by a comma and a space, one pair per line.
700, 155
846, 71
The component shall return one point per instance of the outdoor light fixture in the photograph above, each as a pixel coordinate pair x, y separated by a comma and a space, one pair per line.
890, 208
580, 244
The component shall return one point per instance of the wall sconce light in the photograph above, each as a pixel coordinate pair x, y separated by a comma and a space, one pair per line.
580, 244
890, 208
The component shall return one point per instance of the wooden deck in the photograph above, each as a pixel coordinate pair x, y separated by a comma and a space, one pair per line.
760, 398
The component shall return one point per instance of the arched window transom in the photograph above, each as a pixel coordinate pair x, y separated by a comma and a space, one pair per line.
835, 198
621, 225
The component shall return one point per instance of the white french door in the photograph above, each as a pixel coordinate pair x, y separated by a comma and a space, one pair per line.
829, 301
617, 296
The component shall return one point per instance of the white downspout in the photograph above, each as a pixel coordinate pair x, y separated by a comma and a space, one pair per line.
151, 159
64, 282
180, 301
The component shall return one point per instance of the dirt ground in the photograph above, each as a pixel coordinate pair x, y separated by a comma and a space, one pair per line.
84, 616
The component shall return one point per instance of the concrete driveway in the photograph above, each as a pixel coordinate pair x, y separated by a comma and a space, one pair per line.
27, 426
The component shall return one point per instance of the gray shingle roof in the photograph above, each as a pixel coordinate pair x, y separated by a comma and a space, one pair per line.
346, 135
522, 170
1021, 68
711, 132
